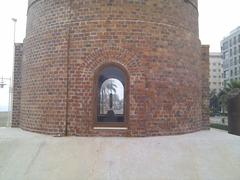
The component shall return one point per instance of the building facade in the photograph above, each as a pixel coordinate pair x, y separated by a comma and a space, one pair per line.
216, 72
112, 68
230, 47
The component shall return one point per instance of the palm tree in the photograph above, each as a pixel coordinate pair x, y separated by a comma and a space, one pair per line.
108, 87
224, 94
233, 85
111, 86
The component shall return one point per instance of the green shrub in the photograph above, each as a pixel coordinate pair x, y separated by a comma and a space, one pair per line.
219, 126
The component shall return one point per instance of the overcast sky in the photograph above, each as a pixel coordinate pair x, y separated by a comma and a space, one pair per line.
216, 19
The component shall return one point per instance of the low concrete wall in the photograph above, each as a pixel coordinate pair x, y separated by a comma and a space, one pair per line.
4, 119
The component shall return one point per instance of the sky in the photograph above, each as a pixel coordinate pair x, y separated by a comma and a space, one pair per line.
10, 9
216, 19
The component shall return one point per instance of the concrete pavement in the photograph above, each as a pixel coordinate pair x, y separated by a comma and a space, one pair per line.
203, 155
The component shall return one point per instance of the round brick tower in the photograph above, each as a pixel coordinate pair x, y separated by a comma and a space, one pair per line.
151, 46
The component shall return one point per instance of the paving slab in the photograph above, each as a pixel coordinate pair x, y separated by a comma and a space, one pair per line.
203, 155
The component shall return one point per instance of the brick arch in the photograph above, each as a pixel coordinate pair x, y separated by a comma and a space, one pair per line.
127, 58
108, 64
133, 66
126, 92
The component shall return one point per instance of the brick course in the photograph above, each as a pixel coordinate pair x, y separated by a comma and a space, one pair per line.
155, 41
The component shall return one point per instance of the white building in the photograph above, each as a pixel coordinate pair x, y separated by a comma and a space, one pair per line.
216, 72
230, 47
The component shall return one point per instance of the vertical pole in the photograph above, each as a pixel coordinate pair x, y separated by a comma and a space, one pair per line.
111, 100
68, 66
14, 32
9, 104
10, 83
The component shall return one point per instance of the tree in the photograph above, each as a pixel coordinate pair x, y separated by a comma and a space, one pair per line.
233, 85
214, 103
222, 97
223, 94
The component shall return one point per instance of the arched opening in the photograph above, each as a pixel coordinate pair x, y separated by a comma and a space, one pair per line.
111, 96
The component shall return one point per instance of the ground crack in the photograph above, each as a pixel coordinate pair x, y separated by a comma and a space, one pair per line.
35, 157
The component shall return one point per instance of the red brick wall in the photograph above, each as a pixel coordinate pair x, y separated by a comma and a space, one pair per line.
205, 87
17, 84
157, 43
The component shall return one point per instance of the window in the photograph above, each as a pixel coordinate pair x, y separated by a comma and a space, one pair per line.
225, 45
225, 74
235, 40
225, 55
111, 96
235, 51
235, 60
230, 52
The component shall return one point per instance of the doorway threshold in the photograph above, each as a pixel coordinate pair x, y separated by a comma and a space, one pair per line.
110, 128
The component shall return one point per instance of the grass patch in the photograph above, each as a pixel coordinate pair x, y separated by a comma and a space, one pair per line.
219, 126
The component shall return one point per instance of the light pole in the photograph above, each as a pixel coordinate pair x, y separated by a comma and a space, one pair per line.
14, 32
10, 80
2, 84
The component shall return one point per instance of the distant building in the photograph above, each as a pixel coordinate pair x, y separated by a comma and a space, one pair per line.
230, 47
216, 72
